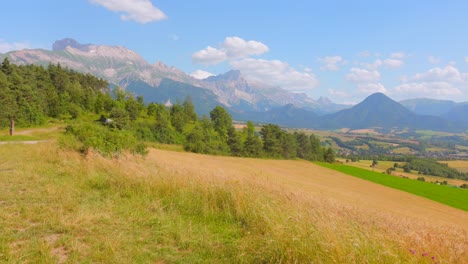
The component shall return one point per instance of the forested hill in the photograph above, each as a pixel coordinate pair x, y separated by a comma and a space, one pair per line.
32, 94
29, 94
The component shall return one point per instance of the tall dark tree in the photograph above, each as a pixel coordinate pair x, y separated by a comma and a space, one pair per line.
222, 121
189, 110
272, 137
252, 146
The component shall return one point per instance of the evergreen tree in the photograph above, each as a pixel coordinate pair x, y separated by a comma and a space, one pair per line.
272, 140
189, 110
252, 146
222, 121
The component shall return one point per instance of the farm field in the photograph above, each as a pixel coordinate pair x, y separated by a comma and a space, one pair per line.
382, 166
444, 194
461, 165
177, 207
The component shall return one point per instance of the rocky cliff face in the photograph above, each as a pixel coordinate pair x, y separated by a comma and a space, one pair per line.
124, 67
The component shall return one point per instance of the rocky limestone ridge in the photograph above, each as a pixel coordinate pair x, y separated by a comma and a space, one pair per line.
126, 68
68, 42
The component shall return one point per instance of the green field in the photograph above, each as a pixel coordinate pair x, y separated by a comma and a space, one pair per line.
454, 197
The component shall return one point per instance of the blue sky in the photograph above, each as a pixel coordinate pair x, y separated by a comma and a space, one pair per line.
344, 50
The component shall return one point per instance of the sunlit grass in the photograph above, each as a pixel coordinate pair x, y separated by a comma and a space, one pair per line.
59, 206
454, 197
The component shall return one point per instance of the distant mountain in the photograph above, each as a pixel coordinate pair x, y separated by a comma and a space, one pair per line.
244, 99
380, 111
458, 114
424, 106
288, 116
127, 69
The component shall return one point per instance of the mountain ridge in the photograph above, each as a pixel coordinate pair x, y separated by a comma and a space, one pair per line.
245, 99
124, 67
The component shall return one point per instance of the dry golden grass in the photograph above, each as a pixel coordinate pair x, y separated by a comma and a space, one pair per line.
364, 131
175, 207
461, 165
313, 181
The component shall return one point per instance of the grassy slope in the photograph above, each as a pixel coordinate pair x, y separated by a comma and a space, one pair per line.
382, 166
455, 197
172, 207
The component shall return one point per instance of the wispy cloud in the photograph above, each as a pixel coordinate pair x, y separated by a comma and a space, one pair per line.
443, 82
276, 73
9, 46
331, 63
359, 75
141, 11
433, 60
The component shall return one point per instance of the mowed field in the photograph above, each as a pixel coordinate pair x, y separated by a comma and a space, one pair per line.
174, 207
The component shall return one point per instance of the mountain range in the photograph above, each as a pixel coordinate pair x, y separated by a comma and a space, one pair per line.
244, 99
127, 69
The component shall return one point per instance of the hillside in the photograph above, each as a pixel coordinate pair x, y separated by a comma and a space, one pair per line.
378, 110
425, 106
182, 207
458, 114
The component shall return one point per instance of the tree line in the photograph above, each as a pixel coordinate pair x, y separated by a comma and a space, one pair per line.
31, 94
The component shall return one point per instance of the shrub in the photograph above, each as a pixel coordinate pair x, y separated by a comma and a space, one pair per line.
108, 142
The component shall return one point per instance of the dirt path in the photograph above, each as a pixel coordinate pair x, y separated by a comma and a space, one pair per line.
32, 131
312, 180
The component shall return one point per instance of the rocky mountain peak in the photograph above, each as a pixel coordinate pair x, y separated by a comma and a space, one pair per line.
324, 101
69, 42
232, 75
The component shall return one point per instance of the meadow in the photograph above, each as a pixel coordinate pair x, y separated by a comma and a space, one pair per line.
59, 206
451, 196
382, 166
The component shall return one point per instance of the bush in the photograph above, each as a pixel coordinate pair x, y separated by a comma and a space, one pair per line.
108, 142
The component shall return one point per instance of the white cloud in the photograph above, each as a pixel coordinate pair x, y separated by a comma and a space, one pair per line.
365, 54
174, 37
141, 11
199, 74
369, 88
428, 89
371, 66
466, 59
276, 73
209, 56
447, 74
236, 47
338, 93
393, 63
433, 60
443, 82
398, 55
231, 48
363, 75
9, 46
331, 63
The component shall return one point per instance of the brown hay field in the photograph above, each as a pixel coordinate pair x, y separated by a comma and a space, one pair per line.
461, 165
364, 131
313, 181
60, 206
